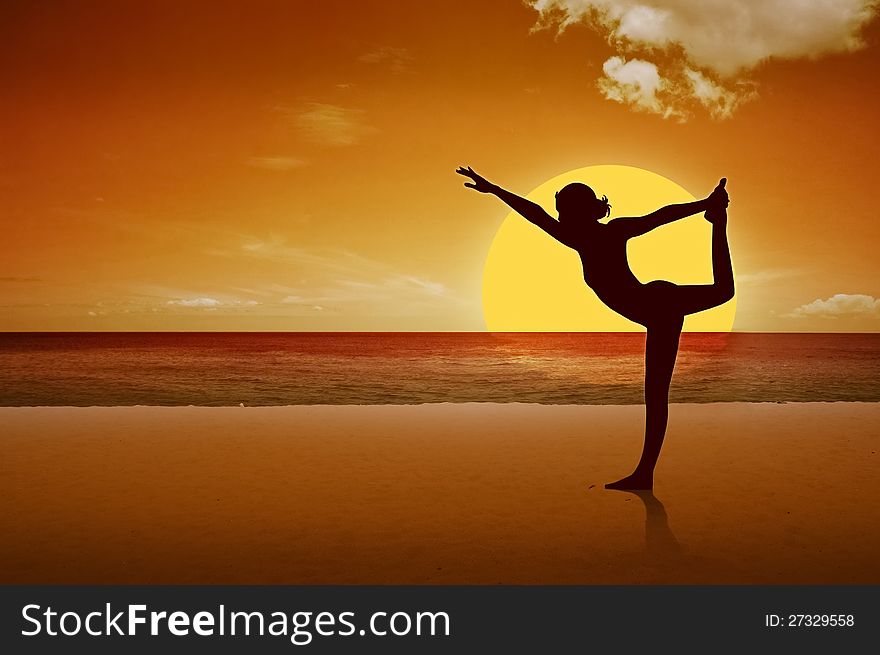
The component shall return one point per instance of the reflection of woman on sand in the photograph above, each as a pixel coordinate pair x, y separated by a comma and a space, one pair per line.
659, 305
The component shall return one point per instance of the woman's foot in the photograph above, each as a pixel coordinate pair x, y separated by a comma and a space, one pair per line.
635, 482
718, 202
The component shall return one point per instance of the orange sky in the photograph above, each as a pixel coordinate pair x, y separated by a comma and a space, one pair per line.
289, 165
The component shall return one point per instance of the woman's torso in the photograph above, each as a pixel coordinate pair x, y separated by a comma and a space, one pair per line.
606, 269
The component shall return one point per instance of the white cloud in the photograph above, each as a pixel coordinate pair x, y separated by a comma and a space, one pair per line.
211, 303
635, 82
196, 302
840, 305
275, 163
331, 125
330, 260
397, 59
718, 100
712, 44
395, 286
638, 83
341, 281
759, 278
430, 287
302, 302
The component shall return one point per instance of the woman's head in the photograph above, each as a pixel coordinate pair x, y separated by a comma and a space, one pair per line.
577, 200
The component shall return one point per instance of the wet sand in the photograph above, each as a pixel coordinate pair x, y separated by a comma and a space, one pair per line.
438, 494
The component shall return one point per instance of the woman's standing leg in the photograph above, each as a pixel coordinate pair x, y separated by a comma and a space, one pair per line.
661, 349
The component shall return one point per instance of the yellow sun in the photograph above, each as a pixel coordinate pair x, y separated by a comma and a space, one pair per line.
531, 283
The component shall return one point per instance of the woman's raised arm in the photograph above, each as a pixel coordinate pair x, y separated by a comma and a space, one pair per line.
633, 227
529, 210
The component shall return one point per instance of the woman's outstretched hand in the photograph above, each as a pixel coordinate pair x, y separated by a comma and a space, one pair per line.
718, 201
478, 182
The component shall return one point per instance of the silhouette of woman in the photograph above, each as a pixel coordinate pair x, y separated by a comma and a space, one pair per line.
659, 305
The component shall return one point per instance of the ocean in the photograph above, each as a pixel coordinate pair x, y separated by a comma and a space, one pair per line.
217, 369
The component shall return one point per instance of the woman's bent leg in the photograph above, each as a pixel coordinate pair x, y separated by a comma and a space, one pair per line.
689, 299
661, 349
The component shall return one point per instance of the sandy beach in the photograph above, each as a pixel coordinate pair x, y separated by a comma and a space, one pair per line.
438, 494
